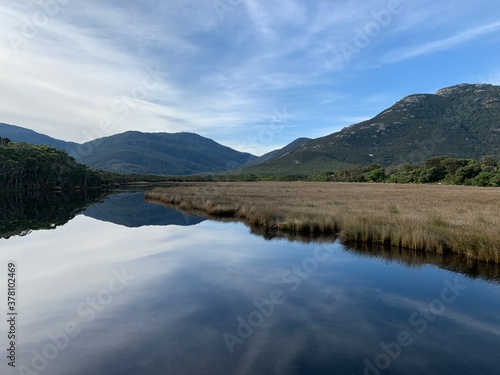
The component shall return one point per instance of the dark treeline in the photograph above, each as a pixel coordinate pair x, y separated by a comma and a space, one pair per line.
445, 170
24, 166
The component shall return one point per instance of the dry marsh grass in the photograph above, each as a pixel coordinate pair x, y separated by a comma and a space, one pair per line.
436, 218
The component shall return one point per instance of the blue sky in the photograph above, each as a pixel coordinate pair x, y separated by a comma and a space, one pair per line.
250, 74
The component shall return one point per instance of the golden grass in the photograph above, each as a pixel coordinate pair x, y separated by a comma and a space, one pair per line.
436, 218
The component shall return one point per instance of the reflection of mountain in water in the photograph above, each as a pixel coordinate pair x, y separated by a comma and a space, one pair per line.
130, 210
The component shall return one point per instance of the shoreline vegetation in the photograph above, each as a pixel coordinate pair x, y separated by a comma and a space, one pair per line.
436, 218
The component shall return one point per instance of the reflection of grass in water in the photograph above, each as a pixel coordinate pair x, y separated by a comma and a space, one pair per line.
412, 258
420, 217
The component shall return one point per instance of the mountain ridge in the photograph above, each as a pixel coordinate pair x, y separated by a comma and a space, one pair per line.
456, 121
161, 153
20, 134
181, 153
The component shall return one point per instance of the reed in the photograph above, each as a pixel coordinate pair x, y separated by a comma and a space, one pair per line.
436, 218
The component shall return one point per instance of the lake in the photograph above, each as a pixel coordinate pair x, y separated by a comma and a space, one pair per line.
130, 287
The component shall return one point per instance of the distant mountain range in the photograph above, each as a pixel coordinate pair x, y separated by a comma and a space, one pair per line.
143, 153
458, 121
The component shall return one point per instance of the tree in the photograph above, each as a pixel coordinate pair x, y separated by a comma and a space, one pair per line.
24, 166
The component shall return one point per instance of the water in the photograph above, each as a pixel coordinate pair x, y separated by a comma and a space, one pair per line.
128, 287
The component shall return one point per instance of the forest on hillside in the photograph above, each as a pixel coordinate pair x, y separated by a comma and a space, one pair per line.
24, 166
444, 170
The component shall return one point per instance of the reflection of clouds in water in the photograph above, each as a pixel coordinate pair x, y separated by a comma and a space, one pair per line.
191, 285
60, 270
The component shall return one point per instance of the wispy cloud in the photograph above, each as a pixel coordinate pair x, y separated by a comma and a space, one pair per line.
440, 45
260, 18
219, 76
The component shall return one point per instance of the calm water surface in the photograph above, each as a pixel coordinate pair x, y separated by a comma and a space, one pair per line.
129, 287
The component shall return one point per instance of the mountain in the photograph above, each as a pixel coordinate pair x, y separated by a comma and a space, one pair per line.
278, 153
159, 153
460, 121
145, 153
19, 134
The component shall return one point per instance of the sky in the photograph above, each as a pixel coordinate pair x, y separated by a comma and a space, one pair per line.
250, 74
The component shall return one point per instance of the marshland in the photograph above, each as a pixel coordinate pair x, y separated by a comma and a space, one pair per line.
434, 218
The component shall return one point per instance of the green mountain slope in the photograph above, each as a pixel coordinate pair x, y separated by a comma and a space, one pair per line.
20, 134
160, 153
136, 152
459, 121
